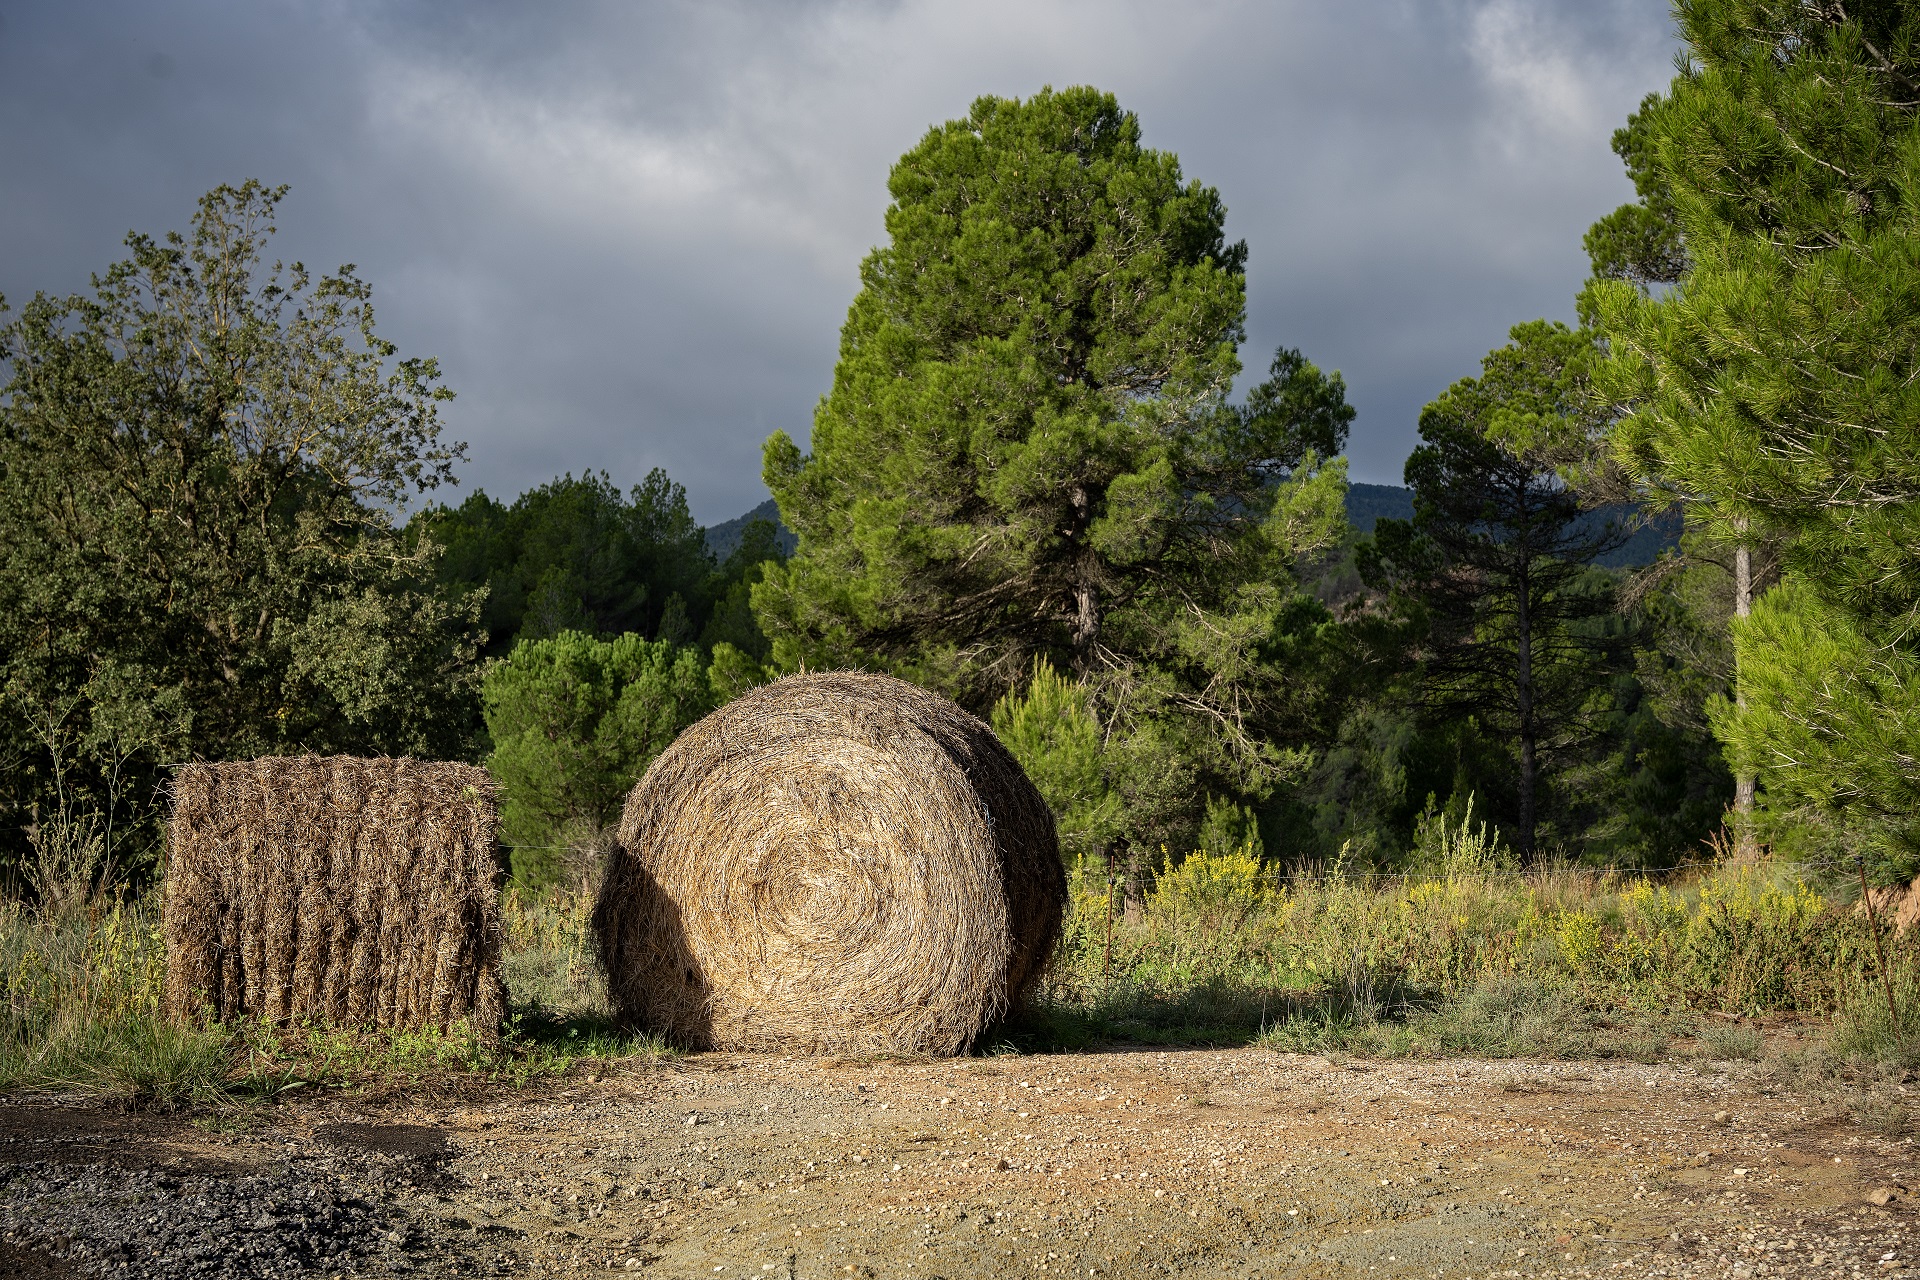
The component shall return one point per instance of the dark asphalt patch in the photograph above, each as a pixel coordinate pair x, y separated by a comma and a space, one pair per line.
87, 1135
418, 1141
27, 1264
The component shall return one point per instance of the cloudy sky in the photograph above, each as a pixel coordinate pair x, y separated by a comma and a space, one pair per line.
630, 231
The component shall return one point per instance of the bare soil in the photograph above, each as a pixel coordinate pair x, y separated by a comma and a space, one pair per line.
1237, 1163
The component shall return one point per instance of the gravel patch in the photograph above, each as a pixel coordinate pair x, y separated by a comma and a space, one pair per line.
114, 1195
1239, 1163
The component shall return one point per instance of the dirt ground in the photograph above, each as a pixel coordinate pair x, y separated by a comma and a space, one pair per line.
1239, 1163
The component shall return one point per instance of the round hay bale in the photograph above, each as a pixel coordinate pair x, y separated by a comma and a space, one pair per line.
840, 862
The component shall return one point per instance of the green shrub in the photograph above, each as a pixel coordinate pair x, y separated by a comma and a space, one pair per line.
1051, 731
575, 721
1214, 886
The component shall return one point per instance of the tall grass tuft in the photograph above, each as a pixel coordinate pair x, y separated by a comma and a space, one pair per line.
84, 980
551, 968
1865, 1029
1466, 954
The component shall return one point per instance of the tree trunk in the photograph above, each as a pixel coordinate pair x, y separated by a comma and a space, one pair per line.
1523, 703
1133, 892
1745, 847
1086, 617
1086, 596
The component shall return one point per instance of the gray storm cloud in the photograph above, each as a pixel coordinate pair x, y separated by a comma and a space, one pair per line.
630, 232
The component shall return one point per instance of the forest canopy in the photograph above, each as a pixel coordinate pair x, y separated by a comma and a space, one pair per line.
1032, 486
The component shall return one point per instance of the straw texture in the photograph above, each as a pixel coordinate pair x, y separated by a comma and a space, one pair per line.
333, 888
839, 862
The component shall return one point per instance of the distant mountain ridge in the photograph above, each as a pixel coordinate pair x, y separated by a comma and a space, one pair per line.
1367, 505
722, 538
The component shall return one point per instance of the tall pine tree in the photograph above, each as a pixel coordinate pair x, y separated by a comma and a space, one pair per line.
1028, 453
1779, 385
1496, 551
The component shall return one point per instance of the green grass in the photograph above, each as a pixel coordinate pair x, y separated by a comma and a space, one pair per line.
1499, 1017
1866, 1030
136, 1060
83, 987
1469, 959
1730, 1043
82, 995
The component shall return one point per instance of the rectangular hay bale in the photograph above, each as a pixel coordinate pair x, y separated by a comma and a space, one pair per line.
335, 889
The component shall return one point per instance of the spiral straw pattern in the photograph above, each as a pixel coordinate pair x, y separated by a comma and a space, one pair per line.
837, 862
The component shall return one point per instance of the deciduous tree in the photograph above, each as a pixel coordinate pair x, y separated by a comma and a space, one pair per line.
577, 555
199, 462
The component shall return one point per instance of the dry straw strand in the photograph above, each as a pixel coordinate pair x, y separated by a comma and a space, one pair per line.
835, 862
335, 889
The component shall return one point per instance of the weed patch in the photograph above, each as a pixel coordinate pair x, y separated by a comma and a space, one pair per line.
1470, 957
1730, 1042
1474, 960
84, 981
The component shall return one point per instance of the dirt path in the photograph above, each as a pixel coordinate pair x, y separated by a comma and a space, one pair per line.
1229, 1163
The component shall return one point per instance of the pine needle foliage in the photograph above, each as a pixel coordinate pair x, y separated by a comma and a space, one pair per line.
1777, 387
1496, 559
1777, 384
1028, 453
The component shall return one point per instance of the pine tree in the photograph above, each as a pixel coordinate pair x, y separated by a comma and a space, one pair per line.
1778, 387
1497, 550
1641, 242
574, 722
1833, 718
1028, 453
